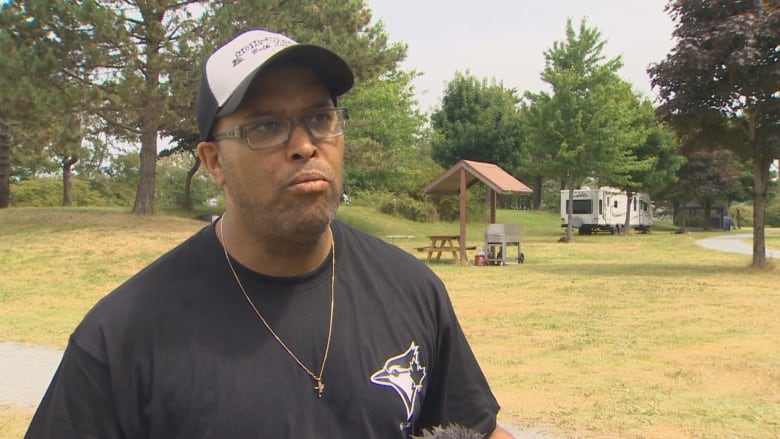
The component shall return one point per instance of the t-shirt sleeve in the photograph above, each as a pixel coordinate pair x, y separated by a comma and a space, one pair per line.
459, 392
78, 402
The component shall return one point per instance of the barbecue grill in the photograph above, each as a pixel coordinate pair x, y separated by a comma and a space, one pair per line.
497, 238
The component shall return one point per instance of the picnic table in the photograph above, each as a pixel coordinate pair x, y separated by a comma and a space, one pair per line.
443, 244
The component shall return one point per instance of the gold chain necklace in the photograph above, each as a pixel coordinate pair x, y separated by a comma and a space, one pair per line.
319, 386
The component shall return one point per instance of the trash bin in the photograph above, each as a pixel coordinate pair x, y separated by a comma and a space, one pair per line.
727, 223
480, 259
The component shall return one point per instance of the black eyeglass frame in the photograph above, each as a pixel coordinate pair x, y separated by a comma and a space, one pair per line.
240, 131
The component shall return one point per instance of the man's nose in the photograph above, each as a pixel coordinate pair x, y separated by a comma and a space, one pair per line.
300, 146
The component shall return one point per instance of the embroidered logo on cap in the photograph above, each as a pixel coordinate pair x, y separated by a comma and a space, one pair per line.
260, 45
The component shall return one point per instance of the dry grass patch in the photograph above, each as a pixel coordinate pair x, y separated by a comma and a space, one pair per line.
58, 262
13, 421
631, 337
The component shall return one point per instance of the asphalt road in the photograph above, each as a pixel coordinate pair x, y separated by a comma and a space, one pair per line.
735, 243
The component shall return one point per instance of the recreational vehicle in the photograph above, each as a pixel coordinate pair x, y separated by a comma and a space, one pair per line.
604, 210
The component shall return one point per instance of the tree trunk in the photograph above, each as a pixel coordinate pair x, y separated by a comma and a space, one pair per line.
67, 179
186, 202
761, 181
627, 222
538, 181
707, 207
150, 121
144, 195
570, 215
5, 164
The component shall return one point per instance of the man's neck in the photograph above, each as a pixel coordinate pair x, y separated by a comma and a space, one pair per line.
273, 256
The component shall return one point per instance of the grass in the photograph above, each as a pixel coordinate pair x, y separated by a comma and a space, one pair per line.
642, 336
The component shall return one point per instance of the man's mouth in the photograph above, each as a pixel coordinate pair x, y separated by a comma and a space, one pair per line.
309, 182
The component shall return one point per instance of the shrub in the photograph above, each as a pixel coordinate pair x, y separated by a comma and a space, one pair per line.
430, 208
408, 208
47, 192
773, 213
694, 221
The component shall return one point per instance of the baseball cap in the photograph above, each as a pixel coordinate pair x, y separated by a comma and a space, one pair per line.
229, 70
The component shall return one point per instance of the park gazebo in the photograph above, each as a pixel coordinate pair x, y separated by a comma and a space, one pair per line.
467, 173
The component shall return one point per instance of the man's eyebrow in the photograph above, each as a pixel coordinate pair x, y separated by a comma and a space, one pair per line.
264, 113
261, 113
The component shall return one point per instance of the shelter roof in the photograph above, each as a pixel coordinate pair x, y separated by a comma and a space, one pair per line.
492, 175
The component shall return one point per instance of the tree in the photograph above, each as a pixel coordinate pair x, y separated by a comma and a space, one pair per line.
707, 177
114, 54
653, 162
53, 122
384, 137
15, 89
478, 120
587, 127
5, 164
718, 87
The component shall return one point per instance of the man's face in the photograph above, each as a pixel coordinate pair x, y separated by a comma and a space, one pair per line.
290, 191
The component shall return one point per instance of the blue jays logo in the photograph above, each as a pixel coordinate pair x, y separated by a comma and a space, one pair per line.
404, 374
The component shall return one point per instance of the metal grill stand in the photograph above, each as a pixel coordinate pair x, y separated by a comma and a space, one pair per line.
497, 238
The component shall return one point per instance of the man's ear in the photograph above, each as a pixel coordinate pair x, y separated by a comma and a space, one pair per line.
211, 160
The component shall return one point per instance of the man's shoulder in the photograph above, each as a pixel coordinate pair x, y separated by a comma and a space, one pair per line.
369, 245
168, 274
180, 275
188, 257
380, 257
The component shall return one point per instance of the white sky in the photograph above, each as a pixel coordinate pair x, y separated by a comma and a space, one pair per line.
506, 39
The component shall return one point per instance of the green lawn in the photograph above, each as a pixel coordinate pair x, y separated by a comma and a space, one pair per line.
639, 336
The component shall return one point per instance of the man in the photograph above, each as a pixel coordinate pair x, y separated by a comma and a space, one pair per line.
276, 320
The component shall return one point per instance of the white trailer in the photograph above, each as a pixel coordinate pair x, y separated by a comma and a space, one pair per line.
604, 210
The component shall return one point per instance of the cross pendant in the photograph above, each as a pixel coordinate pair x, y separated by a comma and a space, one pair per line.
320, 387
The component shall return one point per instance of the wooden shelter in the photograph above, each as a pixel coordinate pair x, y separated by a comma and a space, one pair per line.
467, 173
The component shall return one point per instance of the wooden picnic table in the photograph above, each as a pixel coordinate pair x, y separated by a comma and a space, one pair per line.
443, 244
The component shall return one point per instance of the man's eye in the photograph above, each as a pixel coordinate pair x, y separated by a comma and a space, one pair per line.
323, 118
266, 127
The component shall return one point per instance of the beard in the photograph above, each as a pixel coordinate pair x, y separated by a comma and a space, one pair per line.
276, 216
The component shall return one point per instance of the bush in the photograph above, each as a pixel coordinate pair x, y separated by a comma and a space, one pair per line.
114, 192
47, 192
773, 213
408, 208
693, 221
429, 209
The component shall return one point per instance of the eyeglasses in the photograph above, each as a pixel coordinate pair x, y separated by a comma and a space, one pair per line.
269, 133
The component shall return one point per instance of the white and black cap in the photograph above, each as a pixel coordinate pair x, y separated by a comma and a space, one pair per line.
229, 70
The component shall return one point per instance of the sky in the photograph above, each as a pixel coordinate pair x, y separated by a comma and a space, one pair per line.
506, 39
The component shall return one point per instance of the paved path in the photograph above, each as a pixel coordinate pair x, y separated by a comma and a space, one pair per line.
25, 372
734, 244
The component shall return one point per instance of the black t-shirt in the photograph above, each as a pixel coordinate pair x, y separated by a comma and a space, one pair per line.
177, 352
